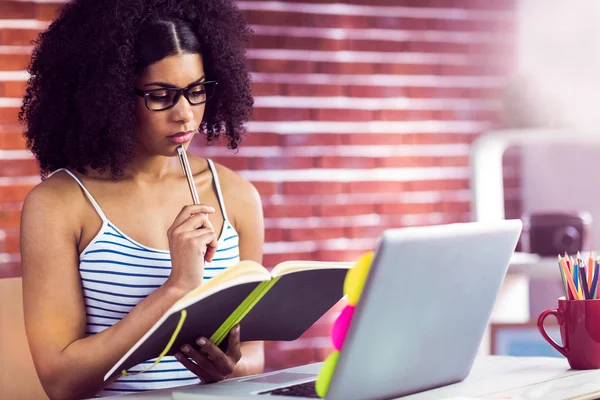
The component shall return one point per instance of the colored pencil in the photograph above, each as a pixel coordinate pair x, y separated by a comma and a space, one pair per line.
577, 280
590, 269
569, 279
564, 280
584, 284
594, 281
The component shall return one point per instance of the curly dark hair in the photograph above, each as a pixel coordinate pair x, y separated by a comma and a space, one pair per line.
79, 108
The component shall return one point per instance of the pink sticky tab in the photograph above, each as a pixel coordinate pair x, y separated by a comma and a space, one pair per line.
340, 327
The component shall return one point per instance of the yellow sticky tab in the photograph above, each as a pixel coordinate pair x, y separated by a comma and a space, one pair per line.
356, 276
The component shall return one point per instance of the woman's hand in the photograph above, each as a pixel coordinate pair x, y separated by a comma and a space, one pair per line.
192, 241
208, 361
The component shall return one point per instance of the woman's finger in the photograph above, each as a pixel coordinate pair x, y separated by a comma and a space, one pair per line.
208, 237
219, 359
194, 222
193, 367
202, 362
190, 210
234, 350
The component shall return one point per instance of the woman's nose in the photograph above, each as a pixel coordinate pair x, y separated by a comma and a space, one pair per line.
182, 110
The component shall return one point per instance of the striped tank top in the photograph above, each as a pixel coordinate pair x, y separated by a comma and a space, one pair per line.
117, 273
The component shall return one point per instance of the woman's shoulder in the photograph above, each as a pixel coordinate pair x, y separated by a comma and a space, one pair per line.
232, 182
55, 194
240, 195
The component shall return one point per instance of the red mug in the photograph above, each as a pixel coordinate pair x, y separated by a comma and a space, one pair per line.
579, 322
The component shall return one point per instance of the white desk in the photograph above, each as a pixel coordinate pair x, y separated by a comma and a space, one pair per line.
492, 377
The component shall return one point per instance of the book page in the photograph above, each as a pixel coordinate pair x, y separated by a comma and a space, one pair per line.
288, 267
245, 271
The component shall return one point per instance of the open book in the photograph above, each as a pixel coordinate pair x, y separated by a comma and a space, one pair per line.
277, 305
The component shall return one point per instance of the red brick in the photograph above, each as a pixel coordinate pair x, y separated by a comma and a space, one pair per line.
14, 62
437, 185
310, 43
281, 66
14, 89
18, 37
456, 206
445, 161
16, 193
298, 89
12, 141
271, 260
413, 138
405, 69
266, 188
11, 242
259, 17
315, 139
347, 162
10, 270
382, 45
281, 114
333, 114
260, 139
377, 187
474, 70
282, 163
19, 167
308, 234
344, 256
288, 211
16, 10
334, 210
10, 219
273, 235
265, 42
407, 208
363, 232
405, 115
378, 91
234, 162
313, 187
47, 11
325, 67
266, 89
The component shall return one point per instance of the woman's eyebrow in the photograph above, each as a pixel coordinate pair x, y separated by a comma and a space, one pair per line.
170, 85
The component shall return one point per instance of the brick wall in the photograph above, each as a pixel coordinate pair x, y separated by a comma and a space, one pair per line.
365, 111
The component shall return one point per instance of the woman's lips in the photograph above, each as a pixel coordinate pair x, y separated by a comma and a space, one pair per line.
181, 137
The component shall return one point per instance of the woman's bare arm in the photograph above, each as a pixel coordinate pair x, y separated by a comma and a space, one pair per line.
69, 364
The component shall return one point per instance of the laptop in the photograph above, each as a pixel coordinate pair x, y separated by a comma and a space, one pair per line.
419, 322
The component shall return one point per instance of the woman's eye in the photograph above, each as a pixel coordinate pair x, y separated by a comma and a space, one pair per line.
158, 97
198, 93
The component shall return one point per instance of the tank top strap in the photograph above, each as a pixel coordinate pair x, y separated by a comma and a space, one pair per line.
213, 170
87, 193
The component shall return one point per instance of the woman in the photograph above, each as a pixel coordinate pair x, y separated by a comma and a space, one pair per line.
110, 239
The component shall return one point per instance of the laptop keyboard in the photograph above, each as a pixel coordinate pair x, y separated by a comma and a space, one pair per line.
306, 389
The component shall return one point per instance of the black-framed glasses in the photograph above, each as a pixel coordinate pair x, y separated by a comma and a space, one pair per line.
165, 98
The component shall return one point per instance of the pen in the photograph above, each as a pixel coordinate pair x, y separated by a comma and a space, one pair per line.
185, 165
